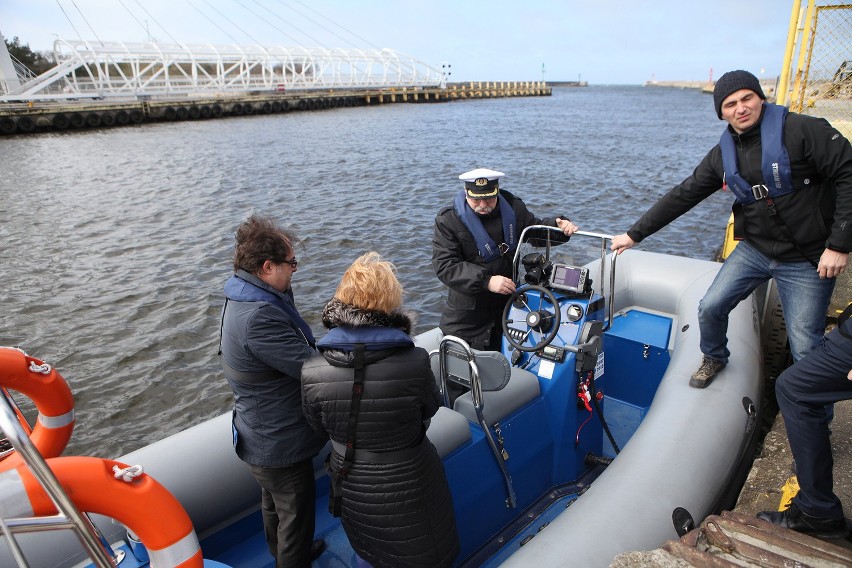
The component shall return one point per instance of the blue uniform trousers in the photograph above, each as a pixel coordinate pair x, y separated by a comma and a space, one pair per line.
803, 392
289, 516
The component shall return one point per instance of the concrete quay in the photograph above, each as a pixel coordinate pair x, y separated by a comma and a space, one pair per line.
35, 116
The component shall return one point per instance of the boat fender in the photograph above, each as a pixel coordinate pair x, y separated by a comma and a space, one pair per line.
60, 121
52, 398
7, 125
26, 124
76, 120
142, 504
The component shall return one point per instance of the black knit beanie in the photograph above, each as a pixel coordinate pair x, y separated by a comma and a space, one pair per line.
731, 82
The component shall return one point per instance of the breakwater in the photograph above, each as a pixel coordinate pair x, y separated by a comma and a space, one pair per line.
38, 116
567, 83
768, 85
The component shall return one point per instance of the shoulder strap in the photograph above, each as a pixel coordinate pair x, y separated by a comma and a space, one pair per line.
222, 325
336, 495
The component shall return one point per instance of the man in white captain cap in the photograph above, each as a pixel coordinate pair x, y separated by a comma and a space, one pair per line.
472, 250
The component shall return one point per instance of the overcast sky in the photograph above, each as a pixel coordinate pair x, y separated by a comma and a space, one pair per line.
600, 41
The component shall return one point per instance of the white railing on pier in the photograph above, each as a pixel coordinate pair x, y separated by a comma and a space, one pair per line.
156, 70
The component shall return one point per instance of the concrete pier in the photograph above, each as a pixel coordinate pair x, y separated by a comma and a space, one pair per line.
40, 116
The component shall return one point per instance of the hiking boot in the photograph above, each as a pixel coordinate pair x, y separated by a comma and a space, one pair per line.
706, 372
795, 519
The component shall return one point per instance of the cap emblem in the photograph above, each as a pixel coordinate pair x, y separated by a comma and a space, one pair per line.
481, 182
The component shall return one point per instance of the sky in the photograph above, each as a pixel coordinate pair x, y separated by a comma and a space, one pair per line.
599, 41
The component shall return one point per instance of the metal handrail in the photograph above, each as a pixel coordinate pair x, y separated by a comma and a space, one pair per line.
603, 237
69, 516
478, 404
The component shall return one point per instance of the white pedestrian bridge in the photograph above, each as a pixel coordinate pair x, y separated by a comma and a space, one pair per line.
153, 70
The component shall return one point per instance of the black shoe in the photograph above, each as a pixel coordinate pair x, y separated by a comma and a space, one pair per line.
317, 548
793, 518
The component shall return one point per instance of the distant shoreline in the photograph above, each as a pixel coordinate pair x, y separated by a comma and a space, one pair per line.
768, 85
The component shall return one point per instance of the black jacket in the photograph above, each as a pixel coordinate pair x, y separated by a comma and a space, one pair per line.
471, 310
818, 216
396, 511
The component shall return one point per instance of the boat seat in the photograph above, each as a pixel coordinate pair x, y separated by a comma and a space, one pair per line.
448, 430
505, 389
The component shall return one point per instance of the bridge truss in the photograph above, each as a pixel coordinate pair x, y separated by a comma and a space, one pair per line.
157, 70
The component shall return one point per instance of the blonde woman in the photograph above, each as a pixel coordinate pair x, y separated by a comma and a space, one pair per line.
370, 390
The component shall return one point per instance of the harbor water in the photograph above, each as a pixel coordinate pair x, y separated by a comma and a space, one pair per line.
115, 244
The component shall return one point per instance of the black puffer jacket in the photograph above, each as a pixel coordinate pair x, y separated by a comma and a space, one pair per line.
819, 215
471, 309
397, 511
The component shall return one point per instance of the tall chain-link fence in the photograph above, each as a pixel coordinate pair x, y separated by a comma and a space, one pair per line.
820, 62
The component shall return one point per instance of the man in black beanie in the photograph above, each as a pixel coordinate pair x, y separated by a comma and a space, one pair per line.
791, 177
731, 82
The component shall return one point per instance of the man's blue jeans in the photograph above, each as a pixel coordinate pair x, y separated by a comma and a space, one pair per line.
804, 298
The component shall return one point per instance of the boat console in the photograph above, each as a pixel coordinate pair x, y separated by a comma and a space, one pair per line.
553, 312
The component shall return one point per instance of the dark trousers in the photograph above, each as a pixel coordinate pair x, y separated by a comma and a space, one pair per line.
803, 392
289, 517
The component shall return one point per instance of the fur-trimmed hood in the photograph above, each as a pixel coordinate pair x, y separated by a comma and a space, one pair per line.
338, 314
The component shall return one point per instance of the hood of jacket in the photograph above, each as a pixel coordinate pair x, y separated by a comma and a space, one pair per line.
380, 332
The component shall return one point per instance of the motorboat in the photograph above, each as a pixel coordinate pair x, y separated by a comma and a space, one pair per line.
579, 440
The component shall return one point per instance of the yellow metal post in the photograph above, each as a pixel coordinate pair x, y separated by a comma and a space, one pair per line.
784, 80
800, 65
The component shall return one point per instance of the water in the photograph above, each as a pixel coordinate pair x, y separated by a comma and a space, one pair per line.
114, 245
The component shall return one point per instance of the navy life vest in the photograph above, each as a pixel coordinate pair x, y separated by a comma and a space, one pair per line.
488, 249
775, 163
240, 288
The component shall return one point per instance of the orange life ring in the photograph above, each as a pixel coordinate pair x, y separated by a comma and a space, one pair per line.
142, 504
52, 398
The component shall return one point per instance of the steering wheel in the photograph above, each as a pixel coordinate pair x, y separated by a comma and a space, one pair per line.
542, 321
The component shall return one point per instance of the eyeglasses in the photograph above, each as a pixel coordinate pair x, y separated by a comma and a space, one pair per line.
294, 263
